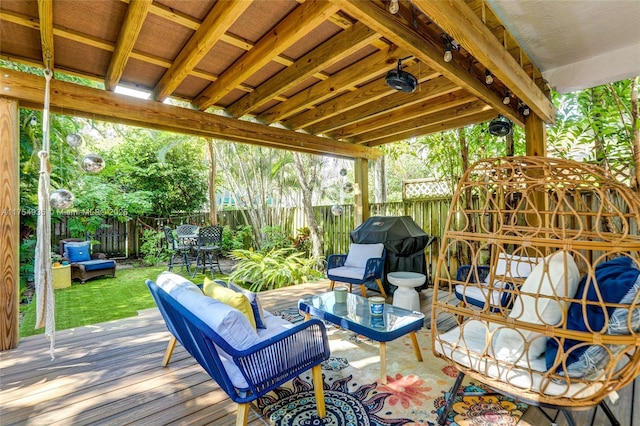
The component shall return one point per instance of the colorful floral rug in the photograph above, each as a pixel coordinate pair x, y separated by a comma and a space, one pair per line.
415, 392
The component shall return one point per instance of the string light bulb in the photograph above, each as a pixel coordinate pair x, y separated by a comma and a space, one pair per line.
394, 7
507, 98
488, 77
448, 56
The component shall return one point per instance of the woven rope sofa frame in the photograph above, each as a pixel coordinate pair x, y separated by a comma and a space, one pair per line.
530, 208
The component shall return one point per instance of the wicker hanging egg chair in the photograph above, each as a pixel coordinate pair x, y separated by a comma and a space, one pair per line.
544, 306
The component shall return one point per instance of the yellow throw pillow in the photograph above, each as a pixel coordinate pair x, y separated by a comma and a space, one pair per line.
227, 296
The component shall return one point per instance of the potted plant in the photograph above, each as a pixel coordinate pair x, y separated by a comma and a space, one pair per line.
55, 258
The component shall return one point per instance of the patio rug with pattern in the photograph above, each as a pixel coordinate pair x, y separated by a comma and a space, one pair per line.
415, 392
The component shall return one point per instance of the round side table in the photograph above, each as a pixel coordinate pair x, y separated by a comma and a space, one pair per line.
405, 295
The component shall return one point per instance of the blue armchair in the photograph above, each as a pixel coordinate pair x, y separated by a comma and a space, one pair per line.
363, 263
84, 264
249, 373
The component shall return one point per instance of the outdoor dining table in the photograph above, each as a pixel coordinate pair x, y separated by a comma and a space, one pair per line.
355, 315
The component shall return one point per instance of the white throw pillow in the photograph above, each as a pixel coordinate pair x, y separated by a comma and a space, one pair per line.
552, 281
231, 324
518, 266
172, 283
360, 253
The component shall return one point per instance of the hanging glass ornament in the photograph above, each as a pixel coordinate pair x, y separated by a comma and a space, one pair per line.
343, 172
74, 140
348, 187
61, 199
337, 210
92, 163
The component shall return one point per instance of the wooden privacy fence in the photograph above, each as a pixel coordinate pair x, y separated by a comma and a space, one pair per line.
124, 239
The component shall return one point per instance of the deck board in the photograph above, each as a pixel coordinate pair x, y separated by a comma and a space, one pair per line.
110, 373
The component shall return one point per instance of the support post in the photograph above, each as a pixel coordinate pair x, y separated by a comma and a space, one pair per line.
535, 136
9, 223
361, 190
536, 139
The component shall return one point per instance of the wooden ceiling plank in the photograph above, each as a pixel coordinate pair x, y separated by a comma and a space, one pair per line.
480, 117
370, 67
135, 16
394, 100
45, 14
406, 37
459, 21
333, 50
217, 22
428, 105
464, 110
72, 99
298, 23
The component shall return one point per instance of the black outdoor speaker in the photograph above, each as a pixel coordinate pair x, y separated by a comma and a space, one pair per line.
500, 126
401, 80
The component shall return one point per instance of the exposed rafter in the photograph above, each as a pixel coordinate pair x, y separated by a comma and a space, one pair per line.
219, 19
408, 38
298, 23
338, 47
464, 26
136, 14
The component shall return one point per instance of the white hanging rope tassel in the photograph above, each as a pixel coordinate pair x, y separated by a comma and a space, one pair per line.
43, 276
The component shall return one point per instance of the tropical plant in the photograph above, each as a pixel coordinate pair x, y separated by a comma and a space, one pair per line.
274, 269
153, 248
274, 238
27, 262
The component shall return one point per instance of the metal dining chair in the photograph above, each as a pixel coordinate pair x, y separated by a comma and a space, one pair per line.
177, 248
208, 249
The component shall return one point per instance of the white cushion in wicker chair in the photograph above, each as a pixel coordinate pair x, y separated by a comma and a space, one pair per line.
467, 345
538, 303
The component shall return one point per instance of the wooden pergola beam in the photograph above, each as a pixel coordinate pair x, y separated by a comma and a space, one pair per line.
217, 22
457, 112
417, 131
72, 99
336, 48
408, 38
461, 23
395, 100
136, 14
341, 81
428, 104
316, 119
298, 23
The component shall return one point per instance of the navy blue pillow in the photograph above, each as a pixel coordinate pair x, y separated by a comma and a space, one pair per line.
615, 278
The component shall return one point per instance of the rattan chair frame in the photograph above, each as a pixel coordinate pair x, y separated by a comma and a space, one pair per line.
535, 206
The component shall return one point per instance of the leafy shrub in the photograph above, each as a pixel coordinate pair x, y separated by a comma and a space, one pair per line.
27, 263
234, 240
153, 248
275, 269
274, 238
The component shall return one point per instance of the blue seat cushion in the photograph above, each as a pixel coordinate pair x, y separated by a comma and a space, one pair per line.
615, 279
96, 265
78, 252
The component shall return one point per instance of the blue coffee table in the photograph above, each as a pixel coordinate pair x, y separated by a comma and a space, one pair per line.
354, 315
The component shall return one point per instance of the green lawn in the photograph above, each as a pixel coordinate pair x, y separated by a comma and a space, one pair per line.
100, 299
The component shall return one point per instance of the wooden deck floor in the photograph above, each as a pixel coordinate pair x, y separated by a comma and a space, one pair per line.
110, 373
